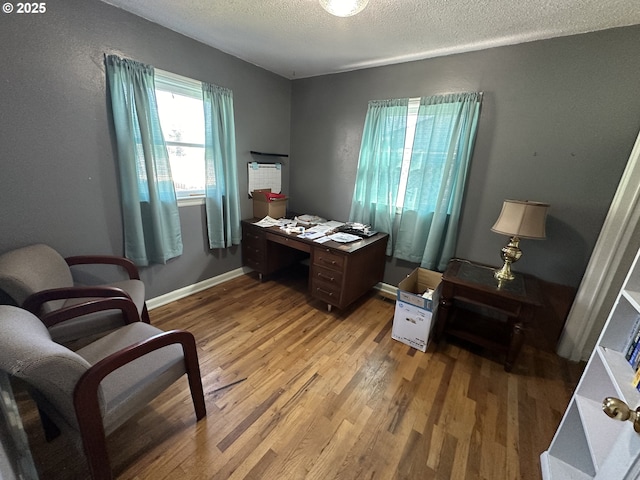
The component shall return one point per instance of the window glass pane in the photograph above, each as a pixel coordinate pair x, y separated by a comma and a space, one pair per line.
412, 119
187, 169
181, 118
182, 121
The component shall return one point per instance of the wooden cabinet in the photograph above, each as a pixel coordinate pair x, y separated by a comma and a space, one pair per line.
339, 273
588, 444
497, 315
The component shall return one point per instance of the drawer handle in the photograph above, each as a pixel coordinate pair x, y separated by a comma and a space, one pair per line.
331, 262
326, 277
319, 290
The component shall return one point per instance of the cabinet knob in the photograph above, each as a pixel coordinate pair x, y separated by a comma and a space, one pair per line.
619, 410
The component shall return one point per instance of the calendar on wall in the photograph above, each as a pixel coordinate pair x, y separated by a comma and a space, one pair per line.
264, 175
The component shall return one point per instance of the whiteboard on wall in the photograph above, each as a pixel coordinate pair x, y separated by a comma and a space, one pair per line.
264, 175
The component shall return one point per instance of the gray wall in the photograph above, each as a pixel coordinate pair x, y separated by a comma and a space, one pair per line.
559, 119
58, 181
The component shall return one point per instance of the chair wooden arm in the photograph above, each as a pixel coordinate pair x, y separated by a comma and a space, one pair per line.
128, 265
87, 404
124, 304
34, 302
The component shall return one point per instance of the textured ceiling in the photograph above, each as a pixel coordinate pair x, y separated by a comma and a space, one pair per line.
297, 38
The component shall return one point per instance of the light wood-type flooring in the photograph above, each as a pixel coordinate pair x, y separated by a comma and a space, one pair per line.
296, 392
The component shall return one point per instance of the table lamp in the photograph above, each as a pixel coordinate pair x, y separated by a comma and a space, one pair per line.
518, 219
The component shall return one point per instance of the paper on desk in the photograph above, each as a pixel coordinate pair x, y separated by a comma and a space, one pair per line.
322, 239
316, 231
267, 222
344, 237
283, 222
311, 235
292, 228
319, 229
310, 219
332, 224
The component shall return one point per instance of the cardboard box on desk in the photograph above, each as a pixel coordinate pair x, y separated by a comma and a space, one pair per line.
263, 205
413, 317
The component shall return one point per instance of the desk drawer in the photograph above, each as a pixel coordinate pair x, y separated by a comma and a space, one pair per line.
324, 257
254, 263
253, 256
251, 238
331, 279
325, 292
290, 242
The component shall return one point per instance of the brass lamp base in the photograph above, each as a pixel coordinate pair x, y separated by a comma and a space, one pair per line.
510, 253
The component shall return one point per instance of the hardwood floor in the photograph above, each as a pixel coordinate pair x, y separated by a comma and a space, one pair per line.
296, 392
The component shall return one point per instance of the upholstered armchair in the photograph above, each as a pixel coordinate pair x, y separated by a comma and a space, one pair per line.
92, 391
40, 280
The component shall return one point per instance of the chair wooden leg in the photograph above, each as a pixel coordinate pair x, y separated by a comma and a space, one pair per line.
51, 430
195, 380
145, 315
197, 394
94, 441
97, 458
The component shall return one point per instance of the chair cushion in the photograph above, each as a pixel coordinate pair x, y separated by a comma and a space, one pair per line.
135, 289
134, 385
100, 322
31, 269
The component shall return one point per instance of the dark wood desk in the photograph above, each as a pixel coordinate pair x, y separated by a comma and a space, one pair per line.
339, 274
475, 308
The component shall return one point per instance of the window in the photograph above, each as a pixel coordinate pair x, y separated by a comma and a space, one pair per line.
182, 121
412, 120
412, 170
429, 149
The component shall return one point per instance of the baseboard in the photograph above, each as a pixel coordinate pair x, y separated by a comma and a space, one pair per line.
385, 289
195, 288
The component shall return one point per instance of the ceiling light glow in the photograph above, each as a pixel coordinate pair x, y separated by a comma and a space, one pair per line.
343, 8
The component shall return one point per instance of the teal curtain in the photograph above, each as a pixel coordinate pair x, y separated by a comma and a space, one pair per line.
149, 207
444, 138
222, 200
379, 166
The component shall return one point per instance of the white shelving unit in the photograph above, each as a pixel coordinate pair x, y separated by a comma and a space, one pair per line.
588, 444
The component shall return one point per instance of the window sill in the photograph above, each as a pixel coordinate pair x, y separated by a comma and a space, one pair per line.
189, 201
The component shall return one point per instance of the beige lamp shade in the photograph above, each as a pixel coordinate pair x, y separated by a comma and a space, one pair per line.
523, 219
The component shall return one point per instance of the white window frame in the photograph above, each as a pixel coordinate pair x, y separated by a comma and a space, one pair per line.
188, 87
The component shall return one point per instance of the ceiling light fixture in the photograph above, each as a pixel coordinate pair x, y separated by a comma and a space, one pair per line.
343, 8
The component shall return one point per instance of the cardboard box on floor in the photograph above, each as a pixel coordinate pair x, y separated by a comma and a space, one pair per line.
413, 317
262, 206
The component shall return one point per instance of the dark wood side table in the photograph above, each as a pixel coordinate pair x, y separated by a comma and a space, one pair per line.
475, 308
